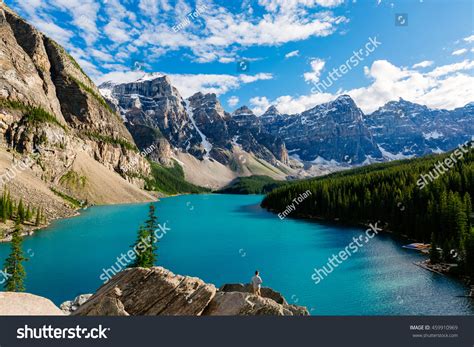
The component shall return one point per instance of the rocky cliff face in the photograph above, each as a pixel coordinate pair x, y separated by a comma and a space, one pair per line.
158, 291
50, 107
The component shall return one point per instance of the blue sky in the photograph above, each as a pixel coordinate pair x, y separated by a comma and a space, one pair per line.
289, 45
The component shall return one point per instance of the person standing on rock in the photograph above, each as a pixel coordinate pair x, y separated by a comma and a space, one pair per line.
256, 283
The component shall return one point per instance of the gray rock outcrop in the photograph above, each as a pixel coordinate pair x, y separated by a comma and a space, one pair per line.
70, 306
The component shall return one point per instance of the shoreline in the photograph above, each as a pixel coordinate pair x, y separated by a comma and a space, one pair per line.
31, 230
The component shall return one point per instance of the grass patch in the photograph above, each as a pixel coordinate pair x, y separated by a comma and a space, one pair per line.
171, 180
34, 115
73, 201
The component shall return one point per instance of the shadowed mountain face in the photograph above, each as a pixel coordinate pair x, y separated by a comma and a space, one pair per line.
332, 131
406, 129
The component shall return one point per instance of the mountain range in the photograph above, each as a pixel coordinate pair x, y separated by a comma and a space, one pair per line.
327, 137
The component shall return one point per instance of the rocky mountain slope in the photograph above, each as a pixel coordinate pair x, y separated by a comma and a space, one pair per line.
331, 131
53, 119
197, 132
340, 133
403, 129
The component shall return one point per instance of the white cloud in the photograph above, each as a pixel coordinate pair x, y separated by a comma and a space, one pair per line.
102, 56
233, 101
152, 8
118, 31
253, 78
62, 36
443, 87
216, 34
469, 38
292, 54
84, 16
292, 5
447, 86
317, 65
459, 51
226, 60
290, 105
189, 84
423, 64
259, 104
450, 68
217, 31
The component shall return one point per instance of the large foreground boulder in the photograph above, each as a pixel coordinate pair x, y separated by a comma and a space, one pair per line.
154, 291
158, 291
24, 304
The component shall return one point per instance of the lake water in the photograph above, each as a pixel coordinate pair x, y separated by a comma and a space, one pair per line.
224, 238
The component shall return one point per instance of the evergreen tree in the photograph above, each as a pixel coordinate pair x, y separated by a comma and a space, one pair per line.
21, 212
28, 213
145, 246
38, 217
140, 249
13, 264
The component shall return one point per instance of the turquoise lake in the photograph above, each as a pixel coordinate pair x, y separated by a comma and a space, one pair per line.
224, 238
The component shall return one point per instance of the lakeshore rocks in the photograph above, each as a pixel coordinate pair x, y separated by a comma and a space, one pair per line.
72, 305
158, 291
247, 304
24, 304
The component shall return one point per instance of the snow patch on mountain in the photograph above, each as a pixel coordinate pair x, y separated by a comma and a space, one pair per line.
432, 135
390, 156
204, 142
